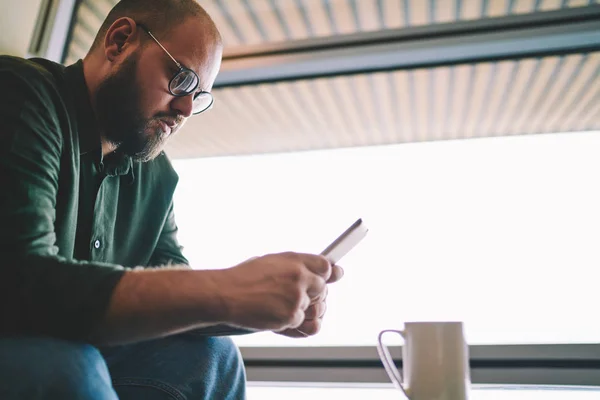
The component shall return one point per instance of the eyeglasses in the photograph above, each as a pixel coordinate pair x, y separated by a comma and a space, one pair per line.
185, 82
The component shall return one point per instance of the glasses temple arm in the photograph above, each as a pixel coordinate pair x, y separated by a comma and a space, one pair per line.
162, 47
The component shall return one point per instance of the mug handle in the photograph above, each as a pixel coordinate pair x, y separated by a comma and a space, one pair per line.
388, 362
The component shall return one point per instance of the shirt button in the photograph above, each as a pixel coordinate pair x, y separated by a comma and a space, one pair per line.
97, 244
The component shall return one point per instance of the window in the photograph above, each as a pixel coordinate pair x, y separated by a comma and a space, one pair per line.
501, 233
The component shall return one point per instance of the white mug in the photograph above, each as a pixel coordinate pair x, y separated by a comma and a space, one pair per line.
435, 361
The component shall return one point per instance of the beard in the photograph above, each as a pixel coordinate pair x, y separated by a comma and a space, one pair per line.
121, 120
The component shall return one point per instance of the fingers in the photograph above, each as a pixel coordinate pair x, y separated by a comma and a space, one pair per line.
319, 265
316, 310
307, 328
299, 316
321, 296
310, 326
317, 288
292, 333
318, 270
337, 273
316, 264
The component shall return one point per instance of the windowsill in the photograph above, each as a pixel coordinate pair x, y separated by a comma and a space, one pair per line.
292, 391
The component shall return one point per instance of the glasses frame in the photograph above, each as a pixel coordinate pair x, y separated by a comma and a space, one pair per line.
181, 69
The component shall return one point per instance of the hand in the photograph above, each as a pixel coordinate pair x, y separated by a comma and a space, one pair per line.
313, 316
277, 291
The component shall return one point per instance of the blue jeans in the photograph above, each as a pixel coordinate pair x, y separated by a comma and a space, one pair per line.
182, 367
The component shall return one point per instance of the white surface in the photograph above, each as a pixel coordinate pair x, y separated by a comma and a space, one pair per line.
303, 393
501, 233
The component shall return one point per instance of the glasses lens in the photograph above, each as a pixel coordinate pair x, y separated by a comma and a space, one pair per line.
185, 82
202, 102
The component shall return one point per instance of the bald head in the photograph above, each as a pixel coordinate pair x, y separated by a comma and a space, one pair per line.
160, 16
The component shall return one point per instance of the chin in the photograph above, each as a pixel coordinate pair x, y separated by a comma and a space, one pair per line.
144, 157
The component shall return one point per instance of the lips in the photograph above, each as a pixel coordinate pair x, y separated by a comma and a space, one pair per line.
167, 126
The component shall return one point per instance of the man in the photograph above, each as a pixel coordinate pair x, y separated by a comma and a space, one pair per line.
97, 299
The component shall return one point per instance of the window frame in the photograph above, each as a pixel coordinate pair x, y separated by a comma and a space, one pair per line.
544, 364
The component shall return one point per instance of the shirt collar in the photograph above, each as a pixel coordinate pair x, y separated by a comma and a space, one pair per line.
87, 127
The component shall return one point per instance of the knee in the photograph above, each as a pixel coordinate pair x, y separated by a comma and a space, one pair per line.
228, 363
224, 352
51, 369
80, 370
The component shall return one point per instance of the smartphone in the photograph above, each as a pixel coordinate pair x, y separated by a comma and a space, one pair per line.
345, 242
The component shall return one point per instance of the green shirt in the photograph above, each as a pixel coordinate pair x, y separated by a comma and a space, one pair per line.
71, 221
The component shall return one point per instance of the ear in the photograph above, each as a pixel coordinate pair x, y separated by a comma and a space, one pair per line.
119, 37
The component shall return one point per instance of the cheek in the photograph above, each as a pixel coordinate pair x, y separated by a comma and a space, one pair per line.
153, 100
154, 96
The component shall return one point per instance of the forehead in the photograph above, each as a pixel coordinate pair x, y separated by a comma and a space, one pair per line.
193, 44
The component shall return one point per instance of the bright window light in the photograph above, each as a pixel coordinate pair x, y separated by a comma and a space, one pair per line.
502, 233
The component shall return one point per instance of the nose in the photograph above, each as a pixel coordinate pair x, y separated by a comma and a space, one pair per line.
183, 105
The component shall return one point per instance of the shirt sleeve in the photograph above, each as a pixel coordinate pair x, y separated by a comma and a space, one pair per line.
41, 293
